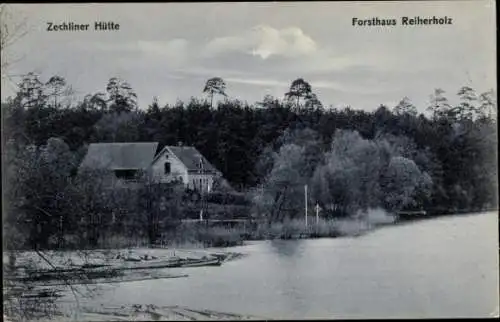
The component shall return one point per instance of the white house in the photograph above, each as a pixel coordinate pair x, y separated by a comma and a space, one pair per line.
186, 164
126, 160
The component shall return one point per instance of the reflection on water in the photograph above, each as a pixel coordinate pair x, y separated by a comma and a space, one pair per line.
437, 268
285, 248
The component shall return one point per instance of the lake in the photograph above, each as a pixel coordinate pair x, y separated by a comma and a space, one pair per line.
443, 267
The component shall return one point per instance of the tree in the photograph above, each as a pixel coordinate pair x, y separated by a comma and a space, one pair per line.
118, 127
332, 187
283, 187
56, 87
488, 105
95, 101
403, 183
95, 206
158, 205
246, 143
269, 101
154, 108
215, 85
363, 160
42, 211
359, 174
309, 140
38, 185
405, 107
439, 107
11, 30
298, 89
122, 97
467, 108
31, 91
264, 163
313, 102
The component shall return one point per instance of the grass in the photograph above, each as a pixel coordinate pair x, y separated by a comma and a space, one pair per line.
207, 236
198, 235
219, 236
288, 229
295, 228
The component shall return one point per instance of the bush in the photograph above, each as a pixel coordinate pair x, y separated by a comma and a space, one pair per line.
209, 236
220, 236
232, 198
295, 228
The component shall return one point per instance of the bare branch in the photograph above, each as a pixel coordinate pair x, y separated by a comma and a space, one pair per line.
12, 28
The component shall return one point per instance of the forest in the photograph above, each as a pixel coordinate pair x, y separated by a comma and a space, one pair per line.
393, 158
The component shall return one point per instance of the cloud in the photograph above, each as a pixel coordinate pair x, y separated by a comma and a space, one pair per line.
261, 48
286, 42
258, 82
264, 41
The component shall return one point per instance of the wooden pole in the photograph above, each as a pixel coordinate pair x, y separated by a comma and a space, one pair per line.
201, 189
305, 201
317, 214
61, 233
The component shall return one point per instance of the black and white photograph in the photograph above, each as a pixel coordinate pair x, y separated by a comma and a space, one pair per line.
249, 161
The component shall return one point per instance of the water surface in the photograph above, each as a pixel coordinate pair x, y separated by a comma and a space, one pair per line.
446, 267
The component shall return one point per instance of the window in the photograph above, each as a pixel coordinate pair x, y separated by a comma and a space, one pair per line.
167, 167
200, 165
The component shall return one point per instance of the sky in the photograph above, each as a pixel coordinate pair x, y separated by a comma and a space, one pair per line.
169, 50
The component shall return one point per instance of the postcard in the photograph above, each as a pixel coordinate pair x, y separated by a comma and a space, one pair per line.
251, 160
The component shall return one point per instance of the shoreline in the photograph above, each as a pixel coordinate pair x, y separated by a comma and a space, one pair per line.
200, 247
140, 313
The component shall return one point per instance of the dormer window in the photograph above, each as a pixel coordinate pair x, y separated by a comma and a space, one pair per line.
167, 168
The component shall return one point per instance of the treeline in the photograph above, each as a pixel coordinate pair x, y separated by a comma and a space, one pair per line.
352, 160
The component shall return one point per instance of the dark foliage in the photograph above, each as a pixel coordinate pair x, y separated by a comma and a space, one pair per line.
235, 136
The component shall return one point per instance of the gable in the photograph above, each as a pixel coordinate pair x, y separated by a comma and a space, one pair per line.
166, 155
191, 158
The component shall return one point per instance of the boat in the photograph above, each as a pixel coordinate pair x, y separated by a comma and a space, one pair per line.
172, 263
200, 263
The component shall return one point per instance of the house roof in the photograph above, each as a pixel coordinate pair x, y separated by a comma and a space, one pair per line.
191, 157
137, 155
